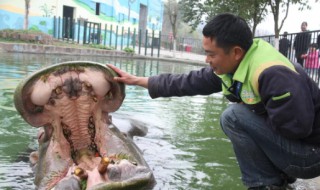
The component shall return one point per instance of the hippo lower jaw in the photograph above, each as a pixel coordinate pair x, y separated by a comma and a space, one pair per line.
79, 148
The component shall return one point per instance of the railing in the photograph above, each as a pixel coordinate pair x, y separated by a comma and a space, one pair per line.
110, 36
151, 42
297, 47
290, 53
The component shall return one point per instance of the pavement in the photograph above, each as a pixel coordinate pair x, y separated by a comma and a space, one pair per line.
170, 55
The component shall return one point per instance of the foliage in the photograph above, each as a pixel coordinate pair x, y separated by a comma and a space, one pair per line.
83, 184
34, 28
128, 50
171, 11
99, 46
43, 23
283, 6
46, 10
195, 12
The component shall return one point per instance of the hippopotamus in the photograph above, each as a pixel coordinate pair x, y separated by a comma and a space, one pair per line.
79, 147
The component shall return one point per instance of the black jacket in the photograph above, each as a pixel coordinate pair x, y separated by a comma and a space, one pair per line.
304, 106
302, 42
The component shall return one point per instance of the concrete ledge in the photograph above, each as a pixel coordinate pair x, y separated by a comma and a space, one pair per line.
60, 50
50, 49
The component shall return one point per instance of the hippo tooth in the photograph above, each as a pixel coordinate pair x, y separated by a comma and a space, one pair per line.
102, 168
82, 174
100, 87
41, 93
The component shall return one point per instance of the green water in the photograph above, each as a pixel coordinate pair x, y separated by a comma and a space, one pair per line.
185, 147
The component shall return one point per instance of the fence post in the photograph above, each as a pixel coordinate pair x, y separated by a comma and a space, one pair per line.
110, 35
63, 28
128, 38
99, 33
159, 44
105, 34
59, 28
134, 38
152, 43
54, 27
117, 36
84, 32
122, 30
73, 29
68, 28
140, 37
93, 31
78, 31
146, 43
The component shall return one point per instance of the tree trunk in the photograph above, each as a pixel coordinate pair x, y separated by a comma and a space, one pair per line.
26, 16
174, 48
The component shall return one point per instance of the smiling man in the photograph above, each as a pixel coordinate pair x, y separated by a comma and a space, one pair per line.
274, 122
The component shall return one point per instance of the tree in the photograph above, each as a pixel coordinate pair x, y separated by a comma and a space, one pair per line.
195, 12
253, 11
26, 15
283, 5
171, 11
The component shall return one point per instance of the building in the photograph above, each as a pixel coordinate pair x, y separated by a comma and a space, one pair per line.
134, 14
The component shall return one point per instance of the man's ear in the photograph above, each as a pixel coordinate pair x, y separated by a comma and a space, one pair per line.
238, 53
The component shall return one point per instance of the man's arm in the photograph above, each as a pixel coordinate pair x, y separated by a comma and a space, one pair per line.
198, 82
288, 102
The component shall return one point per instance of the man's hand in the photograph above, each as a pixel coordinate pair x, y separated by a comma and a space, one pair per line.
129, 79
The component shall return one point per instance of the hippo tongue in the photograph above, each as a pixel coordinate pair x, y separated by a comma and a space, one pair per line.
87, 160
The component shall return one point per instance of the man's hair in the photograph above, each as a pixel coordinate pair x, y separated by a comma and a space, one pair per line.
229, 30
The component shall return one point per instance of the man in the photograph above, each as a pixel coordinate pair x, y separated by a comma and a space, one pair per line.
274, 124
302, 42
284, 44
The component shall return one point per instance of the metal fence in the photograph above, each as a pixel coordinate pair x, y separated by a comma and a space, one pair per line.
292, 46
109, 36
302, 48
151, 42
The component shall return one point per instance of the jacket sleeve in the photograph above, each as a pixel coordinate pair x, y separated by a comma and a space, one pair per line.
288, 101
201, 82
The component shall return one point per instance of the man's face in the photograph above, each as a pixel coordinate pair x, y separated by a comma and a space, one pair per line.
303, 26
220, 61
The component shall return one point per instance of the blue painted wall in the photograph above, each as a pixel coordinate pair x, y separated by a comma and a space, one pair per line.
115, 12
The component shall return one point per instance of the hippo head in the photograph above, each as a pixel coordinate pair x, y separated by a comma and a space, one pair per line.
79, 147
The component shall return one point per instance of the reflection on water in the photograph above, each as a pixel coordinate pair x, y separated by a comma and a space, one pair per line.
184, 146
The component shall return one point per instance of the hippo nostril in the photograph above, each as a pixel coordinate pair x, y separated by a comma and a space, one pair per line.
81, 173
102, 168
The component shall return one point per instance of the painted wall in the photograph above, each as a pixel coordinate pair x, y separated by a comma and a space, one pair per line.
116, 12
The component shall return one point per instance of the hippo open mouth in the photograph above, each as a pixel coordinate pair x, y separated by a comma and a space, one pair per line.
79, 147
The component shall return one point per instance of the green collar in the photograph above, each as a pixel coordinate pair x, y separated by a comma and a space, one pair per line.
242, 70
